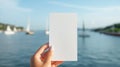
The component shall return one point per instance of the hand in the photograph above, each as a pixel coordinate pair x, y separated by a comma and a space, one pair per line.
42, 58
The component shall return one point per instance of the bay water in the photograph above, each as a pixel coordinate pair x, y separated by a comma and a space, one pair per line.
98, 50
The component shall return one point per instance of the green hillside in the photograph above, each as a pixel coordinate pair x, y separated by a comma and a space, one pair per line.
110, 28
4, 26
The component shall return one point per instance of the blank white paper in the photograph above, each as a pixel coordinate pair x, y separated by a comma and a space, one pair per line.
63, 36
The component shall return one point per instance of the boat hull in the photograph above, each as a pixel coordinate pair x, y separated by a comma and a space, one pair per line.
29, 33
9, 32
84, 35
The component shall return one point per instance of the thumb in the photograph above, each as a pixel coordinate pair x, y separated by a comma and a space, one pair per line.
49, 56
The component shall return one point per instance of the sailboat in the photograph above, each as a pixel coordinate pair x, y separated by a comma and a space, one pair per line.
47, 32
83, 31
14, 29
28, 29
9, 31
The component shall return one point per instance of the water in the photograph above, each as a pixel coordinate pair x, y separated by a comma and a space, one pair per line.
16, 50
98, 50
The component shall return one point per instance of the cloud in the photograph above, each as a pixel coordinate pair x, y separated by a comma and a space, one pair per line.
12, 13
91, 8
67, 5
12, 5
94, 16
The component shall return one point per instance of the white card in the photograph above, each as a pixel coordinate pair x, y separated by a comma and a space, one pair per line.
63, 36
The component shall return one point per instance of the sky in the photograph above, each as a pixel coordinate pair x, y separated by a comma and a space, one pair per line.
94, 13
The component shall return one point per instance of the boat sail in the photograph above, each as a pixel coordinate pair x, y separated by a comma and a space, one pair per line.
28, 31
28, 27
14, 29
8, 31
47, 30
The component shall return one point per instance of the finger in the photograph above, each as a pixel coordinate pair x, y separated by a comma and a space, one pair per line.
57, 63
42, 49
49, 56
43, 56
53, 66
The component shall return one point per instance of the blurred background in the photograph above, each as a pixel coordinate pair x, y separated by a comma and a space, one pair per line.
24, 27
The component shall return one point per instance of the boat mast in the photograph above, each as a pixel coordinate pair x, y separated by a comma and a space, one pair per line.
83, 26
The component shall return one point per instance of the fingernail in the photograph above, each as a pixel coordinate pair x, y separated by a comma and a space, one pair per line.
52, 48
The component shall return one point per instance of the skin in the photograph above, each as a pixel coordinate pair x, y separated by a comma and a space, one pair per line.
42, 58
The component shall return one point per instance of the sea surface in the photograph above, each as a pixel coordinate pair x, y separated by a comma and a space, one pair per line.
98, 50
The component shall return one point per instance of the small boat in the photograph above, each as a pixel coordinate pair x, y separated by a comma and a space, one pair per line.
47, 32
28, 31
9, 31
83, 32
